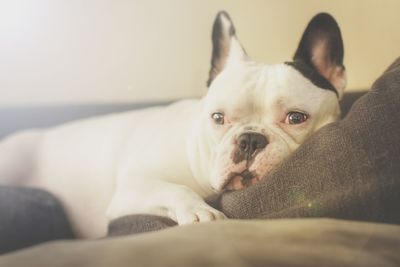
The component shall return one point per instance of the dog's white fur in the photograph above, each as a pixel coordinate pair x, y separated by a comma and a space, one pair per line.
166, 160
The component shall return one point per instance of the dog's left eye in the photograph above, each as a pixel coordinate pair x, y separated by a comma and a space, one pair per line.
295, 117
218, 118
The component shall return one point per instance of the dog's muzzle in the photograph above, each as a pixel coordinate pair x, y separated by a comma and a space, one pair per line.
248, 145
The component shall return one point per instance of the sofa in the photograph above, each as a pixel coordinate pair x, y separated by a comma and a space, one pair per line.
334, 202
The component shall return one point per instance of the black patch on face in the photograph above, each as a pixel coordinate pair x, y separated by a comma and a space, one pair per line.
246, 176
313, 75
238, 156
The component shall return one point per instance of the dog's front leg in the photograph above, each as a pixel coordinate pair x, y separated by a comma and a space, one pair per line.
178, 202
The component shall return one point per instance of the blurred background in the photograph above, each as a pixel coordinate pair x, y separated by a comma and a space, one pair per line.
69, 51
78, 52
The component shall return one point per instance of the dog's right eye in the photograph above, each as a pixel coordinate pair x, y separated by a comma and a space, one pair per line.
218, 118
295, 117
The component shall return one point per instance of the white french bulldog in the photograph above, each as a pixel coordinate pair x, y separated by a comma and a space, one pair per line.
166, 160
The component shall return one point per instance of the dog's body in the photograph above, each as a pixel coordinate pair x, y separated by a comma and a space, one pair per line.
165, 160
85, 183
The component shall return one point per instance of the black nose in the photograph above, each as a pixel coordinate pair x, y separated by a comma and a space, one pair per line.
249, 142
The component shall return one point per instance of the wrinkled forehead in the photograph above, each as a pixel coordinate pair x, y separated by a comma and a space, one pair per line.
236, 84
256, 86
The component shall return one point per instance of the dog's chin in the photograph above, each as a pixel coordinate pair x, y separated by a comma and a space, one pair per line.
241, 180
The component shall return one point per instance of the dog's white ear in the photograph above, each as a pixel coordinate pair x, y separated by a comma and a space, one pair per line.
226, 47
321, 47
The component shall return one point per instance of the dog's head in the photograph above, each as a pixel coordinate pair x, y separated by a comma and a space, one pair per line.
255, 115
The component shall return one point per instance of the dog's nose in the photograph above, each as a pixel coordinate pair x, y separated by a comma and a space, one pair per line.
250, 142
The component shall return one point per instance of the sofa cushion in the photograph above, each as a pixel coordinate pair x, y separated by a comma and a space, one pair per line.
234, 243
29, 216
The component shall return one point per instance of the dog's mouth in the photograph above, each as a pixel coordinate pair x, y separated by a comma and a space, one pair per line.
241, 180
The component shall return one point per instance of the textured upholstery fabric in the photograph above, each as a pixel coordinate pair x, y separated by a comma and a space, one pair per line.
233, 243
29, 216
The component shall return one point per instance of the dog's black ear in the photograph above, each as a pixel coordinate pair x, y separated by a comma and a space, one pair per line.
226, 47
321, 47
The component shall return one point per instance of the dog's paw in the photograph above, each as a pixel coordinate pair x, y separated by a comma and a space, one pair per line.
199, 213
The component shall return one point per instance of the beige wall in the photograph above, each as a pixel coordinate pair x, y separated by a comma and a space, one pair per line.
69, 51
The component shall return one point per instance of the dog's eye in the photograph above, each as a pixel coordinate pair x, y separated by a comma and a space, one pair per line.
295, 117
218, 117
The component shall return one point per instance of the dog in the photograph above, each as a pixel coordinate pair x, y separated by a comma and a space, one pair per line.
166, 160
